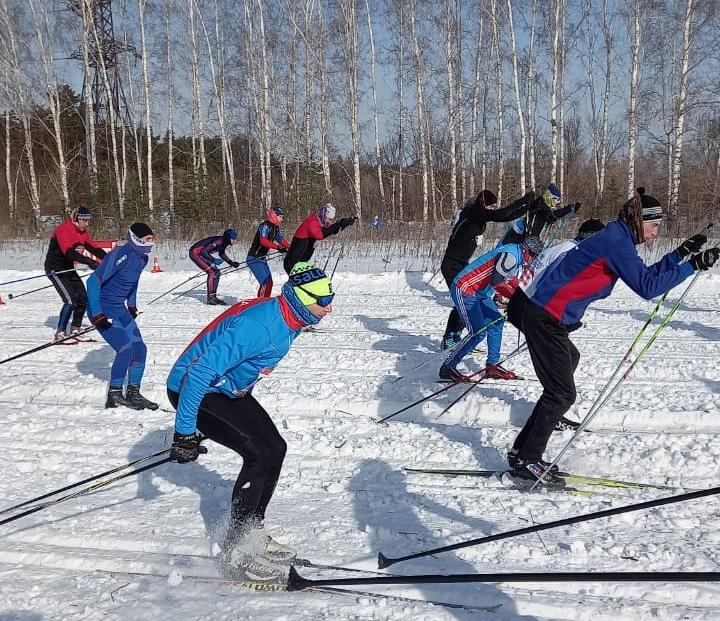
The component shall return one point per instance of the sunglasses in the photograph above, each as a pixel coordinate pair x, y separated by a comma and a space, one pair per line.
320, 300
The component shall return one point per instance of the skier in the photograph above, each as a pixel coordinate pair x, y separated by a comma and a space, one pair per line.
201, 254
112, 293
472, 292
318, 225
543, 212
463, 242
516, 291
588, 273
211, 385
267, 237
61, 256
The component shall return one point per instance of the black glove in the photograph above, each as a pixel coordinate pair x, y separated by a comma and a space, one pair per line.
101, 321
93, 265
692, 244
346, 222
539, 205
235, 264
186, 448
575, 207
706, 259
133, 311
282, 250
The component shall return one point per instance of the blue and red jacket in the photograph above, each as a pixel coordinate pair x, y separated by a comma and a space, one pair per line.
590, 270
494, 267
234, 351
215, 243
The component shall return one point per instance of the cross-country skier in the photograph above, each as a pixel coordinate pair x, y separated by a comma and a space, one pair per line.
211, 385
318, 225
544, 211
518, 290
473, 290
585, 274
201, 254
267, 237
463, 242
62, 254
112, 293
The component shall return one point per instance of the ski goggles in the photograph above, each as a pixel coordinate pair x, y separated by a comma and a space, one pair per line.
320, 300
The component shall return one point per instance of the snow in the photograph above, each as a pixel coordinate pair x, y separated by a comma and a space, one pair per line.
130, 550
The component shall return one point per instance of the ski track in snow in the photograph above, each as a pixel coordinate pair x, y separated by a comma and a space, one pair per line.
343, 495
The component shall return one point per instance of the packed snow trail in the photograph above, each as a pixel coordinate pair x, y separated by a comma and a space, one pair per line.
343, 495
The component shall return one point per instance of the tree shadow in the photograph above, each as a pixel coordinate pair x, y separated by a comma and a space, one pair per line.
398, 531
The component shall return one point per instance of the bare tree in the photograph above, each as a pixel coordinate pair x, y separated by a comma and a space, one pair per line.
530, 93
474, 108
632, 113
498, 102
91, 139
555, 52
197, 116
450, 101
142, 4
518, 105
169, 9
376, 121
419, 73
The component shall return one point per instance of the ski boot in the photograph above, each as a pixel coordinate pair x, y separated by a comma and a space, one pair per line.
564, 424
214, 300
136, 401
529, 472
239, 565
450, 374
61, 338
115, 398
450, 340
81, 338
512, 460
495, 371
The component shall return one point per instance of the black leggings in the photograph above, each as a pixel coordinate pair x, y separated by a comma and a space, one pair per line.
243, 426
71, 289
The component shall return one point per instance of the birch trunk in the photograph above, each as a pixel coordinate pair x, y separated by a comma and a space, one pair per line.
531, 95
632, 114
137, 140
561, 105
498, 104
170, 107
265, 108
554, 91
12, 201
34, 193
198, 124
681, 106
90, 137
474, 110
461, 111
309, 80
401, 116
518, 105
450, 103
148, 120
421, 107
322, 85
376, 121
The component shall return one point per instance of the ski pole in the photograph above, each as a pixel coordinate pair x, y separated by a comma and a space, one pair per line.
385, 561
474, 384
48, 344
19, 295
45, 275
82, 492
296, 582
449, 351
340, 254
84, 481
601, 401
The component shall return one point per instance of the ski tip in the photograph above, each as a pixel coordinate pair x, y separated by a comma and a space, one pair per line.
295, 581
384, 561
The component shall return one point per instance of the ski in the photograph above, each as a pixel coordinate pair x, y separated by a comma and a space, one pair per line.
276, 587
575, 479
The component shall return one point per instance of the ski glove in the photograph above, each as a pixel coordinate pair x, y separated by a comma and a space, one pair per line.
282, 250
133, 311
93, 265
705, 259
692, 244
101, 321
235, 264
346, 222
218, 261
575, 207
186, 448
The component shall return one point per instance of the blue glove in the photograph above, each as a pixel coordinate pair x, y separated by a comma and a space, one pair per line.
218, 261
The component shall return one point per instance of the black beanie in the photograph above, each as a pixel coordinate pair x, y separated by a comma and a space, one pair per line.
589, 227
81, 212
651, 207
140, 229
485, 199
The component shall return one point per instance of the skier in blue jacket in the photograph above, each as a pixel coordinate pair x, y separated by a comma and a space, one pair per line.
112, 308
211, 385
587, 273
201, 255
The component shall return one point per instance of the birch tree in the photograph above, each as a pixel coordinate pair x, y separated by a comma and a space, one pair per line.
376, 120
555, 52
169, 9
420, 107
89, 116
530, 94
142, 4
498, 102
632, 112
450, 101
518, 104
474, 109
197, 118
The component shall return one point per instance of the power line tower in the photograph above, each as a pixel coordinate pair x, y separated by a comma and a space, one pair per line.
104, 50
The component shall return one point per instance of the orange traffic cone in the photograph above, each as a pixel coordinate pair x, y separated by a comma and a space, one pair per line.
156, 266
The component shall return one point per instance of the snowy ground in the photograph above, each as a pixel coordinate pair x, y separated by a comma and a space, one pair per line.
343, 495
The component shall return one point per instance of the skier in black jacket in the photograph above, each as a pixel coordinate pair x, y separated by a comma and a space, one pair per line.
463, 242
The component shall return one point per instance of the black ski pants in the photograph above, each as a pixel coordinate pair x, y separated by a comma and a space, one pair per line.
555, 359
243, 426
71, 289
450, 268
516, 308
